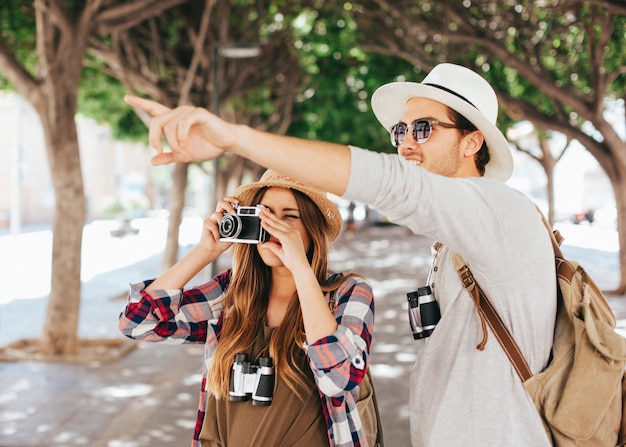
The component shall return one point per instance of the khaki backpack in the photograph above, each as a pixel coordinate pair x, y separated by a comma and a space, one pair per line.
580, 395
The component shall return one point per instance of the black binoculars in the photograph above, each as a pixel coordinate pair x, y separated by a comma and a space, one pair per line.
252, 381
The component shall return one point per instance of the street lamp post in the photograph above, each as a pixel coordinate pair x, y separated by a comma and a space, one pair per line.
237, 50
234, 50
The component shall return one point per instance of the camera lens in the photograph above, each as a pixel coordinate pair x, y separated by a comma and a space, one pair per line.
230, 226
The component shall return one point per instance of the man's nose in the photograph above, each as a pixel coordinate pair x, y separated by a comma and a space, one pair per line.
408, 145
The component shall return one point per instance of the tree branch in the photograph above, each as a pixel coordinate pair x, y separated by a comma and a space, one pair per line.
15, 73
198, 50
517, 107
616, 6
127, 15
56, 14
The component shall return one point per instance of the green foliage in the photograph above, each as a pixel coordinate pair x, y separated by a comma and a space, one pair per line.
4, 84
561, 45
335, 104
17, 27
100, 97
536, 52
615, 58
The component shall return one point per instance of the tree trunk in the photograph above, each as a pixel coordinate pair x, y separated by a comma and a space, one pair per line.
613, 162
620, 206
60, 331
176, 207
548, 162
550, 194
221, 180
60, 51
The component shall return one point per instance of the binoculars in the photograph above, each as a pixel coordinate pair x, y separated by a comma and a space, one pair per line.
424, 312
252, 381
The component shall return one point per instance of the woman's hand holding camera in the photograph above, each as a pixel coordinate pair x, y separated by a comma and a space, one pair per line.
290, 247
210, 237
208, 249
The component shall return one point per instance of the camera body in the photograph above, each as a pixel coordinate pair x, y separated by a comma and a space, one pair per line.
252, 381
244, 226
424, 312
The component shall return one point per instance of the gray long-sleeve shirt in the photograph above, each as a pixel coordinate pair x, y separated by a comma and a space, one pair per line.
460, 396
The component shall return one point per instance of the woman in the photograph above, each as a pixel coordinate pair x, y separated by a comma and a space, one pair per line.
279, 301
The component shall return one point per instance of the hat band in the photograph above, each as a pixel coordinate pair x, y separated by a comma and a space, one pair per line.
441, 87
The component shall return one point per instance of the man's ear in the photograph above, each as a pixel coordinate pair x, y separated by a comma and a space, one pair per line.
473, 142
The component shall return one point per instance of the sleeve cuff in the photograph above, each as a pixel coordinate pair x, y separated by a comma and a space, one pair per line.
330, 351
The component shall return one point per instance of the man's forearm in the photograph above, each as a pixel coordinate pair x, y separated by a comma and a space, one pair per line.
195, 134
319, 164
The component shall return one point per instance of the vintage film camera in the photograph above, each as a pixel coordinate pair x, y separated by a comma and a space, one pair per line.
424, 312
244, 226
251, 381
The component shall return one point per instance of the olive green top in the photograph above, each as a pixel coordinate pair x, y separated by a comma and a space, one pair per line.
288, 421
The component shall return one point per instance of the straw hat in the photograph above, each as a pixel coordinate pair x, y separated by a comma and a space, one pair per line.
270, 178
462, 90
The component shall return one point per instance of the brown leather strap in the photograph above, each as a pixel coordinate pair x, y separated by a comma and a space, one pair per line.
488, 313
467, 279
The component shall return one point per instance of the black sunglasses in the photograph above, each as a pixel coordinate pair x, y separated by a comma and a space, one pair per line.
422, 129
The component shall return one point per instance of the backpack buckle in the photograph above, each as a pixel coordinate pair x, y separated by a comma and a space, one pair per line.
467, 279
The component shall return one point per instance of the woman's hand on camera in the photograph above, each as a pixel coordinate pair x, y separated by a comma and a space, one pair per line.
290, 248
208, 249
210, 237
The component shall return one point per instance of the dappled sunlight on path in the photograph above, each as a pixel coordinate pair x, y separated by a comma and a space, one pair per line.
149, 397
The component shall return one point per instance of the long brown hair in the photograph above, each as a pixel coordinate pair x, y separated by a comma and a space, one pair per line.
246, 302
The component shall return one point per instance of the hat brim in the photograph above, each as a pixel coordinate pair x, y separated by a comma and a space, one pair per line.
388, 103
332, 216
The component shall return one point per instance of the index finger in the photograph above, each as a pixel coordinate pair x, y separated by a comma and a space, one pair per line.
152, 108
272, 220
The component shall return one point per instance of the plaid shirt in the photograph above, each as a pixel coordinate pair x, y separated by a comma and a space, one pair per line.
338, 361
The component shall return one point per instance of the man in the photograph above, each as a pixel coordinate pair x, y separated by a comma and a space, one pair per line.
447, 182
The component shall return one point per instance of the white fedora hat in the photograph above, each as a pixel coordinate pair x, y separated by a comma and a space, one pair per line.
462, 90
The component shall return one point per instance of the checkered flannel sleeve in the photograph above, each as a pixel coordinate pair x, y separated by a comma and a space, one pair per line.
172, 316
339, 362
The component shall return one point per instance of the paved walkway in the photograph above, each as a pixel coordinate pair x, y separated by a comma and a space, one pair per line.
149, 397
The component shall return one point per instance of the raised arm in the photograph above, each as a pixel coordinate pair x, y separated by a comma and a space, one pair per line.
195, 134
208, 249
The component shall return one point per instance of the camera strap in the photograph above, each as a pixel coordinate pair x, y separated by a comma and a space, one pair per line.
436, 250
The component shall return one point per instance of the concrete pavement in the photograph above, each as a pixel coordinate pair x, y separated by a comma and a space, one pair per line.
149, 397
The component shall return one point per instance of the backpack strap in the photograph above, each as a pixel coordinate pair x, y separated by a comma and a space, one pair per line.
487, 313
564, 269
379, 422
555, 235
